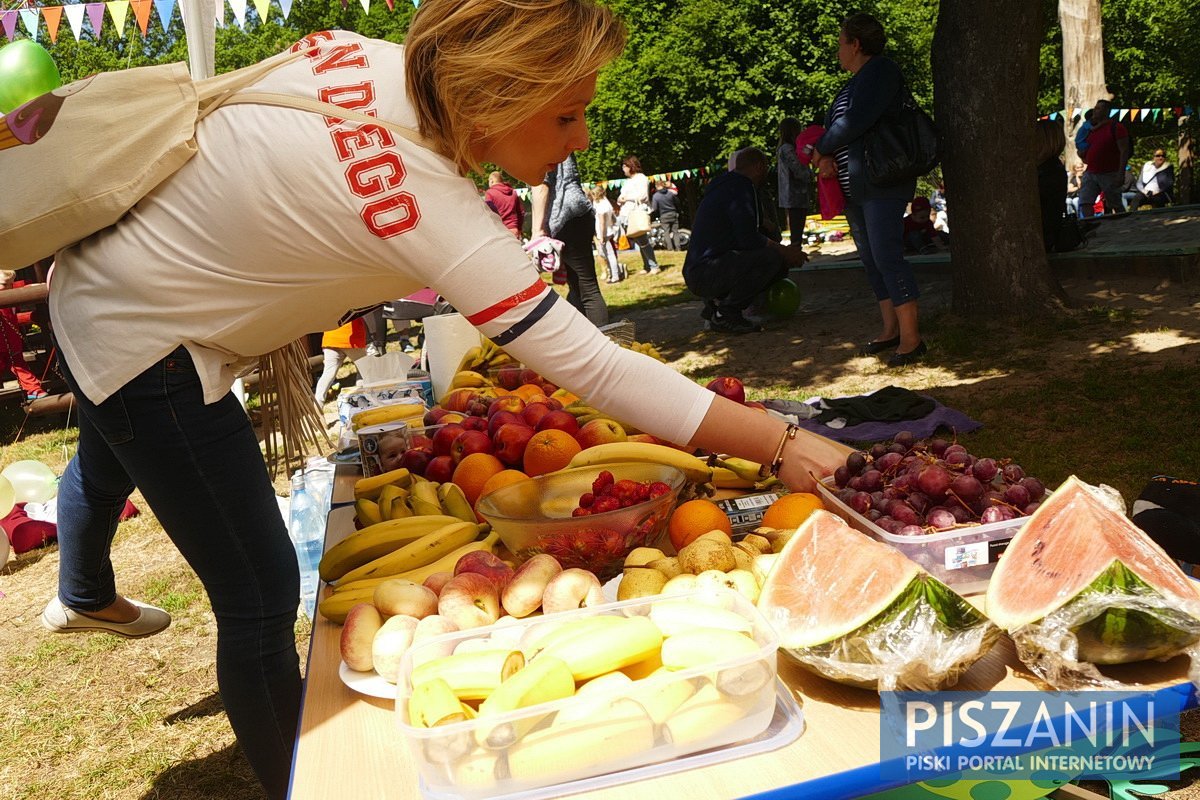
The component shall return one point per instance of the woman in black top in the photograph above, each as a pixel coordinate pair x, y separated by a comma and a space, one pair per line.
875, 213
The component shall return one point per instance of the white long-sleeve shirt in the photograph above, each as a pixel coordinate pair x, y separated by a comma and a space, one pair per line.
285, 220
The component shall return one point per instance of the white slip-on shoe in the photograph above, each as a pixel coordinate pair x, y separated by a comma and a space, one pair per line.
60, 619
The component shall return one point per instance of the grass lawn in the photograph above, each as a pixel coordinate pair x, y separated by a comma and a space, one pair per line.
1107, 392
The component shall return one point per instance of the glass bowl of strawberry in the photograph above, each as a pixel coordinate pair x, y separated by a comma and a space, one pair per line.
586, 517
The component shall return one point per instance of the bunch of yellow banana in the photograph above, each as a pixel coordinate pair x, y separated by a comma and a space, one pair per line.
408, 496
739, 473
488, 355
694, 469
469, 379
393, 412
646, 349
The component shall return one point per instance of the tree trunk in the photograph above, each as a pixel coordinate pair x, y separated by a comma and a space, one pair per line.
985, 99
1185, 155
1083, 63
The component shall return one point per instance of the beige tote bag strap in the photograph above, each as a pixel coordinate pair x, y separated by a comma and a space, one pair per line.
328, 110
215, 91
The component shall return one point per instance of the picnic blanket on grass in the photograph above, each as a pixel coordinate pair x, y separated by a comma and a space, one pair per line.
874, 417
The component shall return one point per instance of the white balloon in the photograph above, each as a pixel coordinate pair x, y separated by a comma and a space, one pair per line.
7, 501
32, 481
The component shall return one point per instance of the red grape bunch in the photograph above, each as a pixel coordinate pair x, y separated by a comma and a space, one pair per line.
911, 486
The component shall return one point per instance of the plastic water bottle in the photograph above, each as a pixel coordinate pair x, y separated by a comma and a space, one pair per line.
306, 529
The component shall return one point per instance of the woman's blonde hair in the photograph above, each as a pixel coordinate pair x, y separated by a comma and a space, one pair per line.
1050, 140
487, 65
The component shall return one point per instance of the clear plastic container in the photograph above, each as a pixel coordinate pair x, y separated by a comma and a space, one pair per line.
961, 557
623, 727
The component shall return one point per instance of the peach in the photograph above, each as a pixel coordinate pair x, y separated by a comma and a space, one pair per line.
600, 431
487, 564
457, 399
391, 642
570, 589
523, 595
428, 628
469, 600
358, 632
437, 581
398, 596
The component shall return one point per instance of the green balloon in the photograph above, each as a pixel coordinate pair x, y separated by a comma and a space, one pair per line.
783, 298
26, 71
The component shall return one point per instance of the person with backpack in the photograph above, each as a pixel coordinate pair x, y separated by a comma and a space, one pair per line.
286, 222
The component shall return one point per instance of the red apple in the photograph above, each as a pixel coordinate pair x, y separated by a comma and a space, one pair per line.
534, 412
487, 564
530, 376
510, 442
549, 388
444, 438
469, 601
509, 377
509, 402
554, 403
559, 420
419, 441
643, 437
433, 415
416, 460
469, 442
600, 431
440, 469
502, 418
730, 388
475, 424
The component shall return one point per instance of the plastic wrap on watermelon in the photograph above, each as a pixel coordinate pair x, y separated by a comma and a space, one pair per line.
856, 611
1080, 586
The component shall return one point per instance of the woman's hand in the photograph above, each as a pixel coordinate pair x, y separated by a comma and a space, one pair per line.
808, 458
827, 167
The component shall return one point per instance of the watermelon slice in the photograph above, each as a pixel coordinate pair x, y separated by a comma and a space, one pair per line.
857, 611
1080, 584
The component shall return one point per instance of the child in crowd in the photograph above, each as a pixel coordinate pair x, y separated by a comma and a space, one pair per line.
829, 191
920, 236
348, 341
12, 355
606, 233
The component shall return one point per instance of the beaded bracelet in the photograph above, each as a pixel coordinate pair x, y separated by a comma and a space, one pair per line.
777, 461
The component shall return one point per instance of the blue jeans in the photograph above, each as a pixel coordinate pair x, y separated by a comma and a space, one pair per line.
200, 469
878, 230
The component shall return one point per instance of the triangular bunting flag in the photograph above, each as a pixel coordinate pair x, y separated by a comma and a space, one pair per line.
9, 20
141, 12
239, 12
1119, 113
1054, 115
166, 8
1133, 114
75, 18
1157, 114
391, 5
416, 3
366, 4
344, 3
263, 7
95, 13
53, 15
118, 10
286, 5
30, 18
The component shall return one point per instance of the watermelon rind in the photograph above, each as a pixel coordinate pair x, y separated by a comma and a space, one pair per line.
924, 641
1118, 619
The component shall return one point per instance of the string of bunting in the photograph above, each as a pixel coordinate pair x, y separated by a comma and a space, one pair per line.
617, 183
1126, 114
31, 16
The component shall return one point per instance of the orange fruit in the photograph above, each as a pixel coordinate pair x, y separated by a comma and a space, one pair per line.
474, 471
695, 518
790, 511
549, 450
528, 390
565, 397
501, 479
